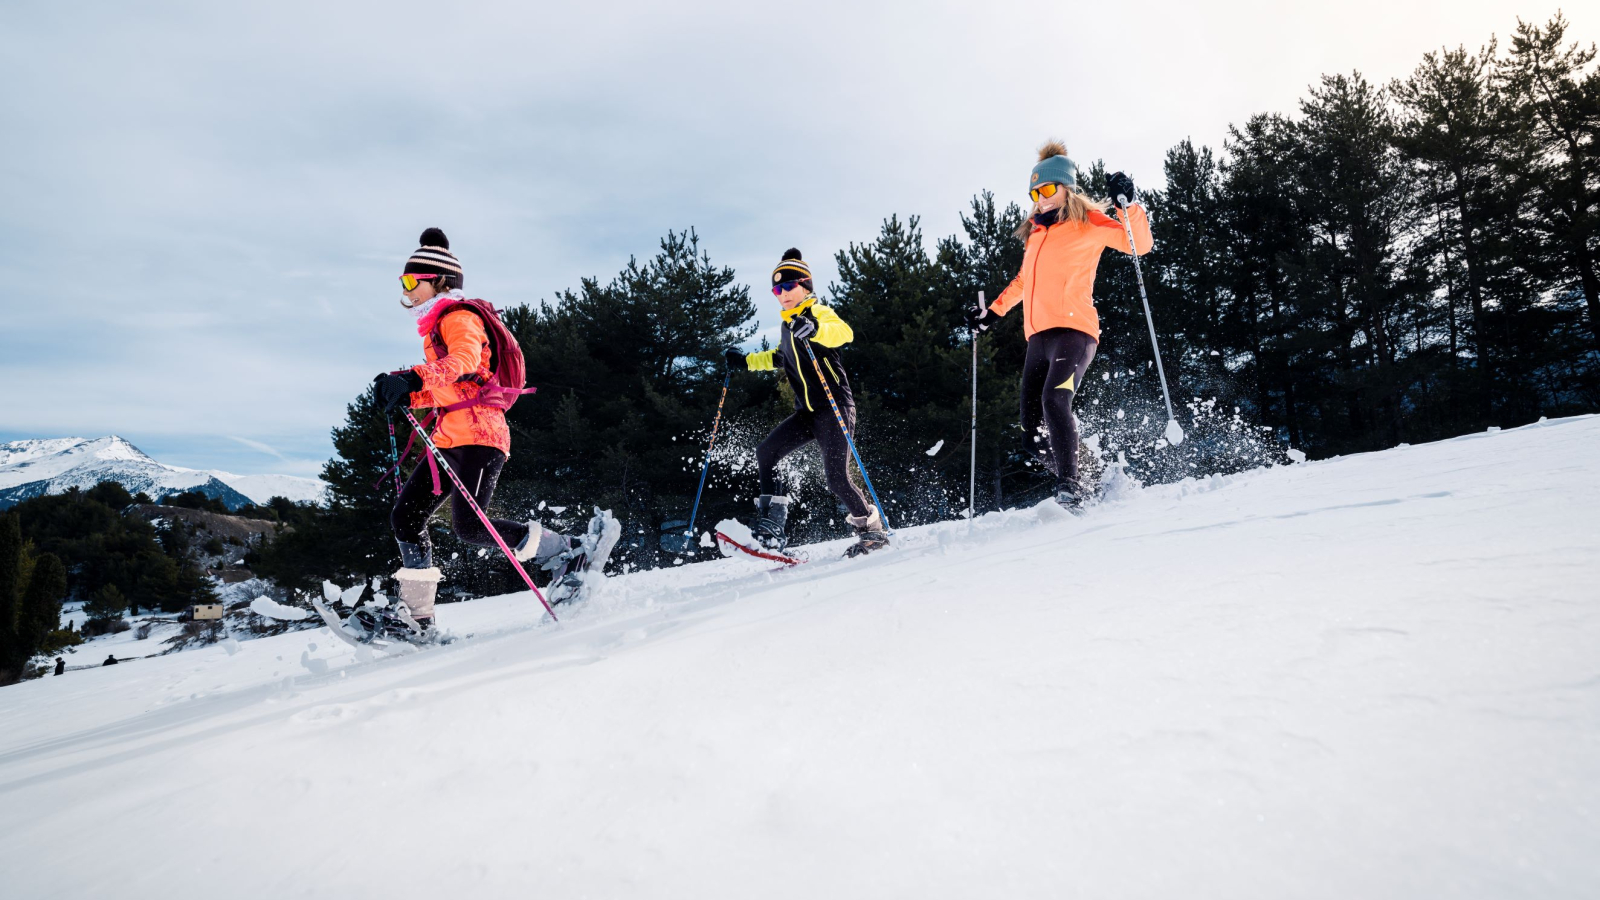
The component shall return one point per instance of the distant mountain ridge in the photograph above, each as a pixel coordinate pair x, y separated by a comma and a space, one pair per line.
31, 468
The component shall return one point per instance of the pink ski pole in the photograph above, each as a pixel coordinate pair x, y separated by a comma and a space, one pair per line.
482, 516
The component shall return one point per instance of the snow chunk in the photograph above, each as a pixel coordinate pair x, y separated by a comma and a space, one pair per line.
268, 608
1174, 432
934, 450
737, 530
1298, 456
351, 595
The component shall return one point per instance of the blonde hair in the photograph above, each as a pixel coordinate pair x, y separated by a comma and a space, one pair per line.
1076, 205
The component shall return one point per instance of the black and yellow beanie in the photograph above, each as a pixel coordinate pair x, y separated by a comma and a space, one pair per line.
793, 268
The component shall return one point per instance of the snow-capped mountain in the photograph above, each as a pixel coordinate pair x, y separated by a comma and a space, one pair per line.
51, 466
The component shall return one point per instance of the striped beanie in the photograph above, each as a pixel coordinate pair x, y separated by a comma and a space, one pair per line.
792, 268
434, 258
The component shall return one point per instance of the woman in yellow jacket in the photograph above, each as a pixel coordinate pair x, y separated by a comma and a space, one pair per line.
1055, 288
808, 322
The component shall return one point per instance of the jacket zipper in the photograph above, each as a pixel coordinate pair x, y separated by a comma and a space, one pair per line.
1033, 276
795, 355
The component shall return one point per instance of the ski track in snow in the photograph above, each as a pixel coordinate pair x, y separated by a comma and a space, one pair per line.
1373, 676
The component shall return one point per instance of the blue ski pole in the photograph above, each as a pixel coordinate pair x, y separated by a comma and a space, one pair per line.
689, 532
882, 513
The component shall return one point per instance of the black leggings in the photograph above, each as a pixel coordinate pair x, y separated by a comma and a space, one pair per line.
478, 467
801, 429
1056, 362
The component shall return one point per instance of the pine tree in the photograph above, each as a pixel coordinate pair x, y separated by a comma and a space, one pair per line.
40, 611
628, 373
1561, 91
12, 586
106, 604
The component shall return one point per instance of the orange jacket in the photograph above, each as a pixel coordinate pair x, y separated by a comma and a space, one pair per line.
467, 346
1056, 284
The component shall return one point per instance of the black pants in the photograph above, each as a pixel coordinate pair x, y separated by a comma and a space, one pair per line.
801, 429
478, 467
1051, 375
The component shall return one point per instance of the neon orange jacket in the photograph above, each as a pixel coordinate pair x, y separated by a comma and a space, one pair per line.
1056, 284
467, 346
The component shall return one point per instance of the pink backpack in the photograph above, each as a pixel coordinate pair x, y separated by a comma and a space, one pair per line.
505, 366
504, 385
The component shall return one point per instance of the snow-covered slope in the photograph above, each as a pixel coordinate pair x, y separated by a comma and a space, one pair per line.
34, 467
1374, 676
261, 488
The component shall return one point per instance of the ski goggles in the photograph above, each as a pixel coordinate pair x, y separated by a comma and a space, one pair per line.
1048, 189
781, 287
410, 282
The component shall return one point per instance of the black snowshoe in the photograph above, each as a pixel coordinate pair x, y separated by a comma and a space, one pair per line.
390, 623
870, 533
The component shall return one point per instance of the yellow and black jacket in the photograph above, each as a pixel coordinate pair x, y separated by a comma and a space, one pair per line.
832, 333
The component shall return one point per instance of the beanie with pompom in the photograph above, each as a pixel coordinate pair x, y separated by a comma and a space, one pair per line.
434, 258
1054, 166
792, 268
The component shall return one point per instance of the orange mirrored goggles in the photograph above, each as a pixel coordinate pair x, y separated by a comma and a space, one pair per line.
410, 282
1048, 189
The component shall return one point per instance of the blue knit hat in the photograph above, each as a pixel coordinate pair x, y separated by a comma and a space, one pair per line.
1057, 168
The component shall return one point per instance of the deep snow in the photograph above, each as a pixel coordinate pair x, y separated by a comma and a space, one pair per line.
1374, 676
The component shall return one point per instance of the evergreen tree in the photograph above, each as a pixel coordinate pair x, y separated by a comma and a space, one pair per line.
1561, 105
106, 604
40, 609
628, 373
13, 581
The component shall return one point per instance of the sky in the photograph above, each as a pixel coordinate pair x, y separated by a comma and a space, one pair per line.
206, 205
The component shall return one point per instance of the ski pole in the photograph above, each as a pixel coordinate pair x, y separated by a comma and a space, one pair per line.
1174, 430
972, 484
482, 516
882, 514
689, 532
394, 454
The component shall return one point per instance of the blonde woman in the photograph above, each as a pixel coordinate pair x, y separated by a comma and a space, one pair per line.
1065, 235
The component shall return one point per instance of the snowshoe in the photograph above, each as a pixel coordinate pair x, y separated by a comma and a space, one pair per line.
1071, 496
390, 623
870, 533
577, 570
772, 520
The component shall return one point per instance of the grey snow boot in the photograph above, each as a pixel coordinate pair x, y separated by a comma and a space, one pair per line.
772, 521
584, 561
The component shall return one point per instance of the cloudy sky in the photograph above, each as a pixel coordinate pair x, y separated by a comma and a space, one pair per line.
205, 205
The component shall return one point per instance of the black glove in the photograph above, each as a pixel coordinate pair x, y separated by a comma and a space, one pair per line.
394, 390
1120, 185
979, 318
734, 358
803, 326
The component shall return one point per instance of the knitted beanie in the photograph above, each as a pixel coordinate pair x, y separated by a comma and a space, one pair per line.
1054, 166
434, 258
792, 268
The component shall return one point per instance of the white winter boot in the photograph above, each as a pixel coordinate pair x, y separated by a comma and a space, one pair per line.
417, 589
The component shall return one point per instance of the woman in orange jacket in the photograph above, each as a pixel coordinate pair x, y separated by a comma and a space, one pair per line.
1065, 235
474, 440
